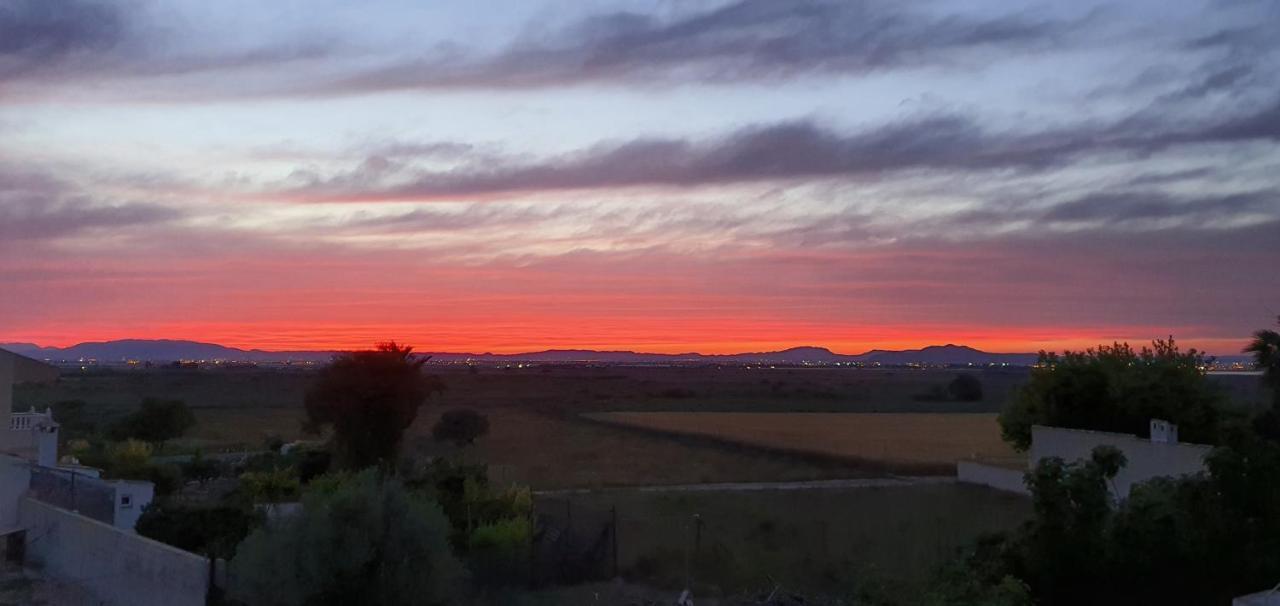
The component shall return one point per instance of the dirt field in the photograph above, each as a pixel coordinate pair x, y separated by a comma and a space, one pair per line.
906, 441
537, 434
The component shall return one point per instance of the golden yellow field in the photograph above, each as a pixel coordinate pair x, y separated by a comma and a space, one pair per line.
910, 439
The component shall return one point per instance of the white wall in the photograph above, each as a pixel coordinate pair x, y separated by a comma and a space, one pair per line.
6, 392
118, 567
1000, 478
131, 497
1146, 459
15, 478
1264, 598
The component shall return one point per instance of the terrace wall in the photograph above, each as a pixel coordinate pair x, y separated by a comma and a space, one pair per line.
1146, 459
118, 567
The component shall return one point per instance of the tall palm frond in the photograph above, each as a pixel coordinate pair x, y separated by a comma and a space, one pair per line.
1265, 348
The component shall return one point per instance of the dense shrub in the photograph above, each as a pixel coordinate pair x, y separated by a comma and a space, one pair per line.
311, 463
498, 552
462, 426
363, 539
1117, 389
201, 469
1198, 539
273, 486
965, 388
211, 531
128, 459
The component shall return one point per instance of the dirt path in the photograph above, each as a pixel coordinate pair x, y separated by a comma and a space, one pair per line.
892, 481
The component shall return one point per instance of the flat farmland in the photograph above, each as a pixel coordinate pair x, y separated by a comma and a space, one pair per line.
904, 442
829, 540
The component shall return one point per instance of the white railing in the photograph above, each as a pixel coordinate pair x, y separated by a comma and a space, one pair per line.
23, 421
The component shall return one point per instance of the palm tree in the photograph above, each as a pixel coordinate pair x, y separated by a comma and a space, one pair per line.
1265, 348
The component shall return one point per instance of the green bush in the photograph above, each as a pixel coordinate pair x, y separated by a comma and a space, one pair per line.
201, 469
498, 552
1117, 389
362, 539
211, 531
272, 486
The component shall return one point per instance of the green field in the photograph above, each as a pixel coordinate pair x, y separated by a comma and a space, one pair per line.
826, 540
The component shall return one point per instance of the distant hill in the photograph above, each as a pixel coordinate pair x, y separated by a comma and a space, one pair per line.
157, 350
165, 350
947, 354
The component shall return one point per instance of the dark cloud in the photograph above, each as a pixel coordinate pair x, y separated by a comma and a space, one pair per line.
796, 150
35, 206
41, 34
50, 41
743, 40
1152, 205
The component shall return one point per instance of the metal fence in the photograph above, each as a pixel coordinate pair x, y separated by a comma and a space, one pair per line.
86, 495
573, 543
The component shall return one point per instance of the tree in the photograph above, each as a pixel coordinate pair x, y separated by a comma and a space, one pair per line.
369, 398
965, 388
1197, 539
269, 486
130, 459
156, 421
1063, 546
361, 539
1116, 389
213, 531
462, 426
201, 468
73, 421
1265, 348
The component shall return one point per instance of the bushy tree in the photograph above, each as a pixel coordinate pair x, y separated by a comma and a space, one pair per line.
201, 468
498, 552
129, 459
965, 388
369, 398
73, 420
462, 426
1198, 539
213, 531
1117, 389
272, 486
1265, 348
1063, 548
360, 539
156, 421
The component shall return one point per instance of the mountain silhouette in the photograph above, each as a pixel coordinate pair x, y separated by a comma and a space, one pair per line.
167, 350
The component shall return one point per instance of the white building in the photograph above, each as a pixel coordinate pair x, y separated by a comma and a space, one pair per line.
29, 453
1161, 455
28, 432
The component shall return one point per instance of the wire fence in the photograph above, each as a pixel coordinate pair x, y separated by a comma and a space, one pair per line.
86, 495
573, 543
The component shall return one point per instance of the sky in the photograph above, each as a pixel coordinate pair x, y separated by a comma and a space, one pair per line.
660, 176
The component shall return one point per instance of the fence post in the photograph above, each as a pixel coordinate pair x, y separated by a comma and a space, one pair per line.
614, 512
209, 592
